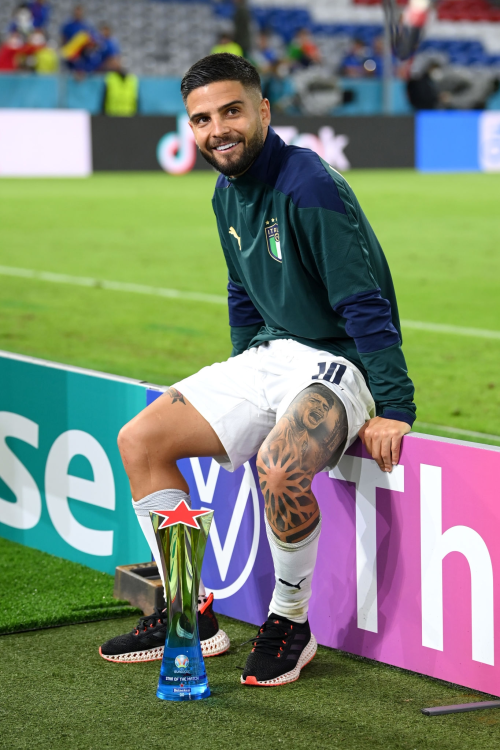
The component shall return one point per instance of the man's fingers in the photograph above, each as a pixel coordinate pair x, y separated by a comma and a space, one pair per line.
376, 452
368, 441
386, 454
396, 448
382, 439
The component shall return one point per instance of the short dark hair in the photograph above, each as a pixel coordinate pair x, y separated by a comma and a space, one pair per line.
220, 67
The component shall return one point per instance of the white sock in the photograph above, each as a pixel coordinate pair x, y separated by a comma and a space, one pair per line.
161, 500
293, 563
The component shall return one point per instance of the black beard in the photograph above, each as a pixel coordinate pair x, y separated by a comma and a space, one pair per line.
234, 168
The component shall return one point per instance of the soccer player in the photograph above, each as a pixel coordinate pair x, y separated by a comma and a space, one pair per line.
316, 356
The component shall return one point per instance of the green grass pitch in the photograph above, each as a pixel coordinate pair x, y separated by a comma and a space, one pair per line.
39, 590
56, 693
441, 235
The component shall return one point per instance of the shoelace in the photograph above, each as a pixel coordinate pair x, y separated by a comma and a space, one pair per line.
150, 621
271, 638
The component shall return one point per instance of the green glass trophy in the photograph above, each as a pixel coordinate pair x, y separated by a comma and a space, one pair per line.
182, 536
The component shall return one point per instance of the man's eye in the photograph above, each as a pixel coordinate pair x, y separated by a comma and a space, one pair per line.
233, 111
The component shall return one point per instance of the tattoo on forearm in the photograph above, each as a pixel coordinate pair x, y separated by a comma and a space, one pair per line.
310, 435
176, 395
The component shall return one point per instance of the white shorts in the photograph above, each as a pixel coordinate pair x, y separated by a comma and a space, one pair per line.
243, 398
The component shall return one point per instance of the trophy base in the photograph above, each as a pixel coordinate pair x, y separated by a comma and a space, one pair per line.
167, 693
182, 675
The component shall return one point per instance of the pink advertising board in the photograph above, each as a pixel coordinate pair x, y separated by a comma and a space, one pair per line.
408, 568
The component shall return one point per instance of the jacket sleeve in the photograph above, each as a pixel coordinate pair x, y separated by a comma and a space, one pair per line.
350, 262
368, 320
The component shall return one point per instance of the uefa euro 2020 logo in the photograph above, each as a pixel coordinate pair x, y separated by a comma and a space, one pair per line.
181, 661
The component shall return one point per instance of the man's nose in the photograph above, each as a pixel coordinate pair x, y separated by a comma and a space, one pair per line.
219, 127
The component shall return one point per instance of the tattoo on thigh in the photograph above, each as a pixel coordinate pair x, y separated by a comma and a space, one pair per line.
176, 395
309, 436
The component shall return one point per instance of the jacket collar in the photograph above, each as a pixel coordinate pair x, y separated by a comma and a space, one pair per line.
267, 165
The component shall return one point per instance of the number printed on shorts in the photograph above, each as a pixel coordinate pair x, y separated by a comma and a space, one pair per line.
332, 375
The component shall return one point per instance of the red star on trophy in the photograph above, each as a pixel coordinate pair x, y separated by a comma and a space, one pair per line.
182, 513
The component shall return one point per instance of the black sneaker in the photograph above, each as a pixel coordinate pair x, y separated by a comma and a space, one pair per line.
147, 641
280, 650
214, 641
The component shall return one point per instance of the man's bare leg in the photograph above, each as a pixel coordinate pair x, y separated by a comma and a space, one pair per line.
169, 429
310, 435
151, 443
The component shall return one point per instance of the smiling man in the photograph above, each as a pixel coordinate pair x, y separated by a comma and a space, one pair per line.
316, 356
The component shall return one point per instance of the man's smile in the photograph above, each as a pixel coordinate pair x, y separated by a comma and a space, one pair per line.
226, 147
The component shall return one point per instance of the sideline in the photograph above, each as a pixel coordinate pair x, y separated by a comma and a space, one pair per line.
215, 299
455, 431
115, 286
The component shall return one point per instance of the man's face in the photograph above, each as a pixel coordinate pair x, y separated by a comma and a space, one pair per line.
313, 410
229, 123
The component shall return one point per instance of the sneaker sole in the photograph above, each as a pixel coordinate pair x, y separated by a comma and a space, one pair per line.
214, 646
306, 656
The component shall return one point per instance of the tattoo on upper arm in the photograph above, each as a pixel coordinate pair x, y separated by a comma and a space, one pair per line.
175, 395
310, 435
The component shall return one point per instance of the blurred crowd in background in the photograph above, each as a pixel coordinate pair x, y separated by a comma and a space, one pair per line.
81, 48
299, 74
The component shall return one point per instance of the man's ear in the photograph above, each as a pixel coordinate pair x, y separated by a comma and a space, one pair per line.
265, 112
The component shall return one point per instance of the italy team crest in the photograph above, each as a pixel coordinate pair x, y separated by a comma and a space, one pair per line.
273, 241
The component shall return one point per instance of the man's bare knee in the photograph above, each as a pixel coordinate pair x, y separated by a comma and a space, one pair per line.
124, 439
131, 447
140, 446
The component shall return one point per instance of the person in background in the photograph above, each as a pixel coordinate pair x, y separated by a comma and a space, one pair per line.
268, 63
46, 60
302, 50
77, 52
121, 95
352, 65
226, 43
36, 56
11, 52
422, 87
109, 49
40, 11
22, 21
242, 22
435, 85
75, 25
264, 56
377, 59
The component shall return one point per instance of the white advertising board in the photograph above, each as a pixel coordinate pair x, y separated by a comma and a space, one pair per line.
45, 143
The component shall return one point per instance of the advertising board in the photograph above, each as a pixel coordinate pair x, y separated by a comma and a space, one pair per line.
154, 143
457, 141
408, 566
45, 143
62, 485
59, 143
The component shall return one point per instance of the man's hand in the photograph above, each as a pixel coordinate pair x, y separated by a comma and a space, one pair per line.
382, 439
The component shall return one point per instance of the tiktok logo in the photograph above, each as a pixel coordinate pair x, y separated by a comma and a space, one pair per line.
176, 152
